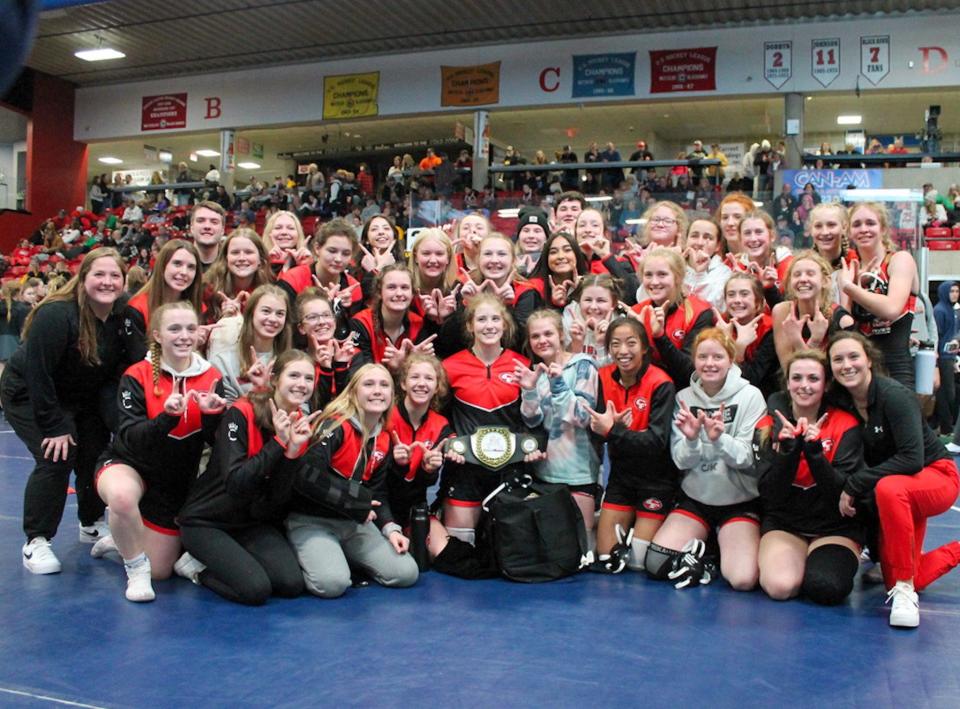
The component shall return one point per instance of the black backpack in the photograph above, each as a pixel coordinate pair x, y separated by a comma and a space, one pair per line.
535, 530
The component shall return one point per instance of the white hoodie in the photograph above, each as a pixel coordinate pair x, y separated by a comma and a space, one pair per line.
723, 472
708, 285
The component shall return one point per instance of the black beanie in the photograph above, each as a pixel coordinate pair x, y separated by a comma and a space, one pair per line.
533, 215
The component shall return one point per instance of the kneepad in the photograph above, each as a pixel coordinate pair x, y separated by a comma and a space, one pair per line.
659, 561
828, 577
638, 554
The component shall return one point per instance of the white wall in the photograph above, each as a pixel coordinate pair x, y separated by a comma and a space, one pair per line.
410, 83
8, 176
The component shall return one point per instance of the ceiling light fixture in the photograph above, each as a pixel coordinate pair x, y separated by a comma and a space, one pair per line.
99, 54
849, 120
110, 161
248, 165
207, 153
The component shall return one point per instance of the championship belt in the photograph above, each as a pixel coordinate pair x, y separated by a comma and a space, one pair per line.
494, 447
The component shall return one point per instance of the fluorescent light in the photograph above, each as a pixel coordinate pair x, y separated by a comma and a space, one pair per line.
882, 195
110, 161
207, 153
757, 204
248, 165
508, 213
604, 198
636, 221
99, 55
849, 120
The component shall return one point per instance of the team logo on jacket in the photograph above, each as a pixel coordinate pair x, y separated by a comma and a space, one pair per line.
378, 455
125, 399
507, 378
679, 334
653, 504
827, 444
640, 403
232, 429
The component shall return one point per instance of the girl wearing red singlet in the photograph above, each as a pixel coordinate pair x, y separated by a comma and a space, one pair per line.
335, 246
174, 278
883, 287
389, 330
830, 229
672, 321
284, 241
331, 357
751, 329
806, 544
241, 266
591, 234
484, 392
436, 286
759, 255
168, 410
558, 272
471, 230
418, 429
633, 416
809, 317
909, 475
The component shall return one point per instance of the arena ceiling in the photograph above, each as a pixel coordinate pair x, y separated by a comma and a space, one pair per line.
196, 36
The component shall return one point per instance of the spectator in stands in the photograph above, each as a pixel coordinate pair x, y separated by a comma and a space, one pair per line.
365, 180
698, 153
897, 148
132, 212
593, 178
641, 153
430, 161
716, 173
396, 170
183, 194
614, 175
570, 179
116, 196
213, 176
222, 197
97, 196
761, 163
785, 203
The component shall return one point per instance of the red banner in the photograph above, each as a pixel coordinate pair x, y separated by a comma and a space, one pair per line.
683, 70
163, 112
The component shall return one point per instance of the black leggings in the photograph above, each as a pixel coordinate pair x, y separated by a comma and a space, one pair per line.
245, 565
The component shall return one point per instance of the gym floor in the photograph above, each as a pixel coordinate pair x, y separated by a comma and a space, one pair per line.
72, 639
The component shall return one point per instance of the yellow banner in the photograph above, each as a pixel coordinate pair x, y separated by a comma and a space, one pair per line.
351, 95
470, 85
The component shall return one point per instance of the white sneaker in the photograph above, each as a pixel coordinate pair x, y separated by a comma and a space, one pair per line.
103, 546
953, 448
139, 587
95, 532
38, 557
905, 611
189, 567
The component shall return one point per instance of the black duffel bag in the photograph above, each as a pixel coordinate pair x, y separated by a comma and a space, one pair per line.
536, 530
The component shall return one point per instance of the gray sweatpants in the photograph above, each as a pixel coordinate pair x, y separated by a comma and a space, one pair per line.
325, 545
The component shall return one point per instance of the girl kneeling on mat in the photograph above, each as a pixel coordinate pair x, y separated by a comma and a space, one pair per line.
634, 414
340, 515
559, 393
807, 545
168, 410
909, 477
715, 429
418, 430
231, 523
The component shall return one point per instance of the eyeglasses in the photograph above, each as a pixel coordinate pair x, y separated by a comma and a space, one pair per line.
316, 317
663, 221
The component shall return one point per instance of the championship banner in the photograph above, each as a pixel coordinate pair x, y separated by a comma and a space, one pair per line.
351, 95
470, 85
683, 70
163, 112
604, 74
